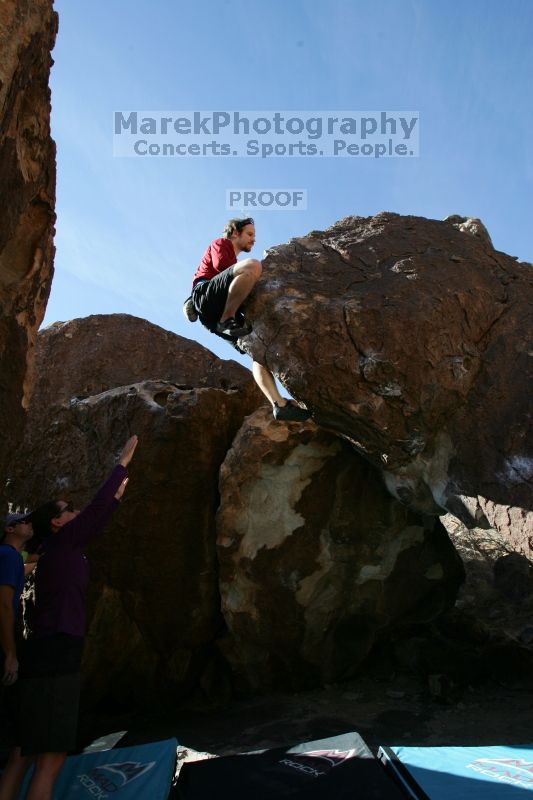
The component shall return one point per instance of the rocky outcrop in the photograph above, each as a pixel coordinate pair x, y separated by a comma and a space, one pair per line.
513, 577
27, 198
471, 225
317, 560
411, 338
155, 609
87, 356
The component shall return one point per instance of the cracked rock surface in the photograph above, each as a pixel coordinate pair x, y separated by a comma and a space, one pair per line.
27, 200
317, 561
412, 339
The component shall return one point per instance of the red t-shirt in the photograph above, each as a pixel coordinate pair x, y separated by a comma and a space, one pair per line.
219, 256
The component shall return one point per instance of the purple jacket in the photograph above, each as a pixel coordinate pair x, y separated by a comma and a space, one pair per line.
62, 573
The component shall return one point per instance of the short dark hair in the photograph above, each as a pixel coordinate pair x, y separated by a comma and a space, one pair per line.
236, 226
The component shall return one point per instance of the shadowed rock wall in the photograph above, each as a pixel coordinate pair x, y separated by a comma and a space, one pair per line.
317, 561
154, 603
27, 199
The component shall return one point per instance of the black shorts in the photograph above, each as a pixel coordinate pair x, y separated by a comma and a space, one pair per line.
209, 298
49, 694
48, 714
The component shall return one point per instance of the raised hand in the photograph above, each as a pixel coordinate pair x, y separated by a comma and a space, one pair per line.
128, 451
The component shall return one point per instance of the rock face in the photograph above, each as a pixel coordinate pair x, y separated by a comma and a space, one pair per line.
470, 225
513, 577
155, 608
27, 198
87, 356
412, 339
317, 560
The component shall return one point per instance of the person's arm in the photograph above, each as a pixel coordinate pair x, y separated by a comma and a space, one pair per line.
92, 519
7, 635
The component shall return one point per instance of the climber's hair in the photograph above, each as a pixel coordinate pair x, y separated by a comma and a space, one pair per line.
236, 226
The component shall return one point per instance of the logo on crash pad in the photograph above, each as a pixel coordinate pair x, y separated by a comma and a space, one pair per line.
515, 771
107, 779
307, 762
333, 757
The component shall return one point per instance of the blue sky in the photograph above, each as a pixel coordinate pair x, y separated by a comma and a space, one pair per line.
131, 231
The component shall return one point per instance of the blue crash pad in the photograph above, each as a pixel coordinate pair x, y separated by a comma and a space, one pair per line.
462, 773
127, 773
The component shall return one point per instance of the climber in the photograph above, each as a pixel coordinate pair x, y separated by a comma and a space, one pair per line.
220, 286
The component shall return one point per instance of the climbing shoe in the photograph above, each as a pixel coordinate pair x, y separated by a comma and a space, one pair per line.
230, 327
189, 310
291, 412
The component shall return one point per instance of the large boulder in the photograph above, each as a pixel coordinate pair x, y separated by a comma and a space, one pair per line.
27, 199
90, 355
412, 339
154, 609
317, 561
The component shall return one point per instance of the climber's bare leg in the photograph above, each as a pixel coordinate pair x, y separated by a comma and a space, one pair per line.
283, 409
265, 380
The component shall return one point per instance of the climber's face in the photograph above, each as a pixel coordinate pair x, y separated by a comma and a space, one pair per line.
245, 240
